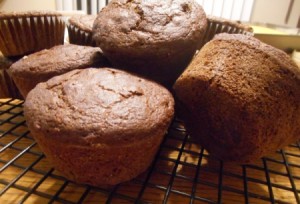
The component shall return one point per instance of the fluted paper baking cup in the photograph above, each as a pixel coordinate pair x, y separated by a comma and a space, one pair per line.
220, 25
80, 37
28, 32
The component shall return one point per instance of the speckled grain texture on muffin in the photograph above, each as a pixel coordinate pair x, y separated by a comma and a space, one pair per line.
99, 126
41, 66
156, 39
23, 33
80, 29
240, 98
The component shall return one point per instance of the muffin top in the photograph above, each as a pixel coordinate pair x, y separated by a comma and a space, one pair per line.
83, 22
135, 23
14, 14
58, 60
236, 58
99, 106
278, 56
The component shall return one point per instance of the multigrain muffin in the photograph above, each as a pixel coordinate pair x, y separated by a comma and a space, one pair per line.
80, 29
8, 88
41, 66
156, 39
240, 98
23, 33
99, 126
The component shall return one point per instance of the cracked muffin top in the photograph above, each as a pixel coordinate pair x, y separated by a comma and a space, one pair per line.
96, 106
153, 21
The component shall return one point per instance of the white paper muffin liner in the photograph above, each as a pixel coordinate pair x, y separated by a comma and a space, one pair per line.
27, 34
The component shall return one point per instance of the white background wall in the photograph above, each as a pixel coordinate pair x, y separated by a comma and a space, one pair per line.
274, 12
23, 5
229, 9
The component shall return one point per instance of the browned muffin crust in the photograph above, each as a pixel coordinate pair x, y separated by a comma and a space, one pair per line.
277, 55
156, 39
83, 22
99, 126
24, 14
42, 65
58, 60
125, 106
154, 21
240, 98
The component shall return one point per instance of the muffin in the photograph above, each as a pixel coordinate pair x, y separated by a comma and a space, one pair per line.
216, 25
155, 39
41, 66
80, 29
23, 33
99, 126
240, 98
8, 88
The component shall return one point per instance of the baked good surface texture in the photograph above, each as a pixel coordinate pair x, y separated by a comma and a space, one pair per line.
156, 39
83, 22
99, 126
240, 98
41, 66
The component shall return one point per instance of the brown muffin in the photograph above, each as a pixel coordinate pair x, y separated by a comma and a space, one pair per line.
23, 33
240, 98
41, 66
80, 29
99, 126
156, 39
8, 88
216, 25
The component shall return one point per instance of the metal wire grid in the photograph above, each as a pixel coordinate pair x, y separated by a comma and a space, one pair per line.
182, 172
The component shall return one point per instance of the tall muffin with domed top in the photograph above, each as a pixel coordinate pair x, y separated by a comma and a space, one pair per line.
240, 98
156, 39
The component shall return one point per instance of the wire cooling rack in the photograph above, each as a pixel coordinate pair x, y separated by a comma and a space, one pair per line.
182, 172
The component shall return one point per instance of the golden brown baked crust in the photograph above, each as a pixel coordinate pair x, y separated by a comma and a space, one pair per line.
156, 39
41, 66
240, 98
99, 126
